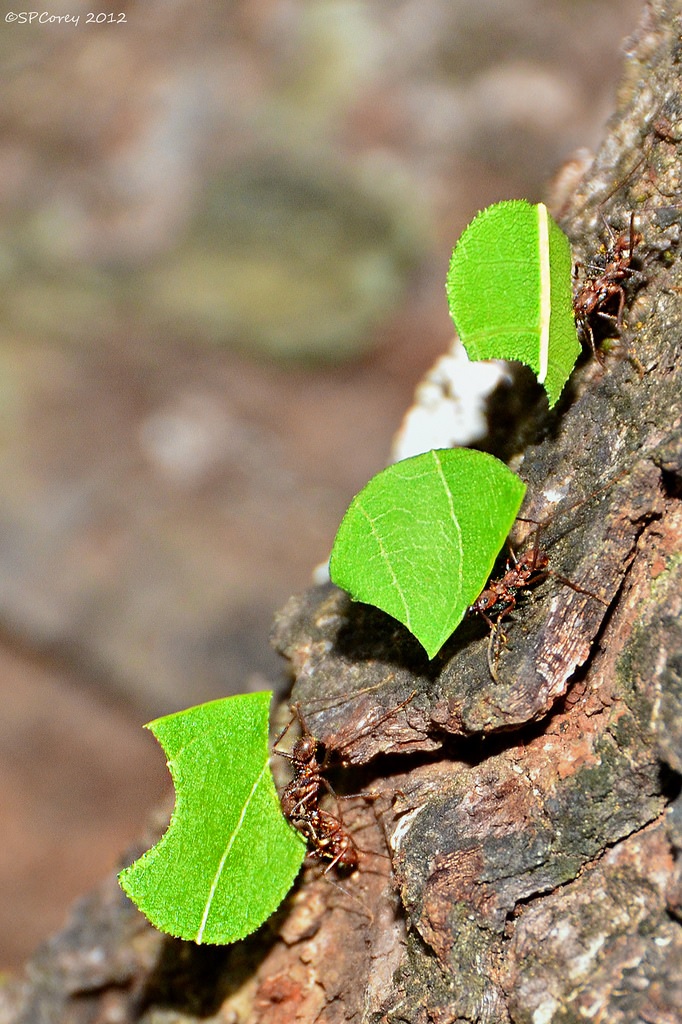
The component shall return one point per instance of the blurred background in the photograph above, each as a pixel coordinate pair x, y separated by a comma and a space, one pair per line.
224, 232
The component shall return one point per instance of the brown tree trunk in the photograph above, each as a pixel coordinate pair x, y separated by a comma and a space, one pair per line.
533, 821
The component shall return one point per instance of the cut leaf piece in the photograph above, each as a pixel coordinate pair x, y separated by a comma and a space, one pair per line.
420, 540
510, 291
229, 856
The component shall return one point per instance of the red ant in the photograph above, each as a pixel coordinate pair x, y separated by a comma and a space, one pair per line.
303, 792
328, 836
331, 840
499, 597
599, 293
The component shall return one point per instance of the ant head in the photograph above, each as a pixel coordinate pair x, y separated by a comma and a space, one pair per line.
305, 749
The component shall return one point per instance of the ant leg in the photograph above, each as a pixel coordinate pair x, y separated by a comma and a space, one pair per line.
621, 306
633, 235
297, 716
326, 703
355, 899
611, 233
281, 736
575, 586
334, 861
596, 352
489, 622
538, 577
364, 725
585, 327
283, 753
498, 636
369, 726
512, 561
495, 640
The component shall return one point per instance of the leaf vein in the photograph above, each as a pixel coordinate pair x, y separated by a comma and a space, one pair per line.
226, 853
384, 554
545, 291
455, 522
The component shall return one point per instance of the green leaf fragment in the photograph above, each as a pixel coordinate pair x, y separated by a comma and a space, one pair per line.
420, 540
229, 856
510, 291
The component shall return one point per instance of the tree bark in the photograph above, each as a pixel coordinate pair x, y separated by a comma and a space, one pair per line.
520, 854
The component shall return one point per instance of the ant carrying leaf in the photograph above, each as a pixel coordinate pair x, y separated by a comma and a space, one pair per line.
603, 293
500, 597
329, 839
326, 833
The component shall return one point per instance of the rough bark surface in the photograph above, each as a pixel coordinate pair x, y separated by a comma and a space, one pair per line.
521, 852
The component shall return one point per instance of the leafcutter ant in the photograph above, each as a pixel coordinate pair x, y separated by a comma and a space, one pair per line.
326, 833
330, 840
328, 837
603, 292
499, 598
302, 794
